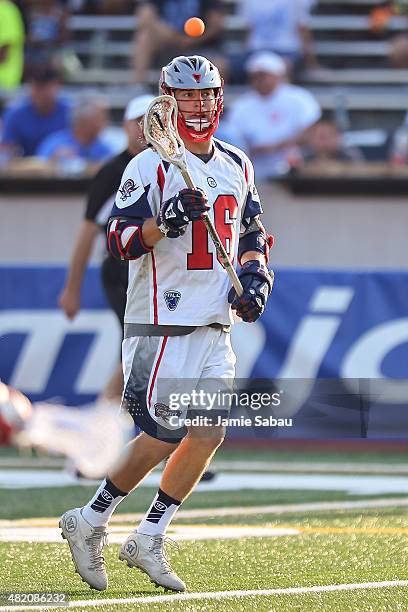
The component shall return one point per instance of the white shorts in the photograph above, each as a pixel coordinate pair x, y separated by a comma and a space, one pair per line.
172, 378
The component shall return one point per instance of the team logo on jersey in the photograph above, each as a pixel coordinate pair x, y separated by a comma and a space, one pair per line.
211, 181
128, 188
172, 299
165, 412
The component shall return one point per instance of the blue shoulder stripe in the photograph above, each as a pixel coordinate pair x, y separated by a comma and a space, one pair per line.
233, 155
138, 210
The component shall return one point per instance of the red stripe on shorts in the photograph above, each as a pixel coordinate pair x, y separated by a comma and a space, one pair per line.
156, 368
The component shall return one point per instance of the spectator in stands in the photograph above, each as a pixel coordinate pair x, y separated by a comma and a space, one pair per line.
103, 7
47, 32
82, 140
324, 143
160, 31
398, 145
11, 45
27, 122
278, 26
398, 51
271, 118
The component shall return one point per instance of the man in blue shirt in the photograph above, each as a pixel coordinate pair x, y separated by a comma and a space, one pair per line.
42, 112
82, 139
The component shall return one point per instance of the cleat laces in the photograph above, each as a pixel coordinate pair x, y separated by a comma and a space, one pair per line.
158, 549
96, 541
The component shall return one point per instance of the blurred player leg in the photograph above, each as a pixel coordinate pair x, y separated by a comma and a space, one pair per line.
114, 387
114, 276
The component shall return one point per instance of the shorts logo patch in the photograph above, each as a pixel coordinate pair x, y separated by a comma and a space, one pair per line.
211, 181
127, 189
172, 299
165, 412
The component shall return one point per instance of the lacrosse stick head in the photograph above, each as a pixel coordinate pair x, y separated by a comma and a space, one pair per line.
160, 130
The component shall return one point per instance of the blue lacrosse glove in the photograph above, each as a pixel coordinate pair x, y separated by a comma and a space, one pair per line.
257, 283
175, 214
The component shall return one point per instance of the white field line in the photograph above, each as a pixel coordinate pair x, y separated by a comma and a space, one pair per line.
276, 509
238, 466
310, 467
283, 508
233, 511
353, 484
219, 595
178, 532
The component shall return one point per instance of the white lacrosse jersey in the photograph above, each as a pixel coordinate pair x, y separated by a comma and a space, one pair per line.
181, 281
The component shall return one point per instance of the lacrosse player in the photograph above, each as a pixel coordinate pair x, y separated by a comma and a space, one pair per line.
178, 316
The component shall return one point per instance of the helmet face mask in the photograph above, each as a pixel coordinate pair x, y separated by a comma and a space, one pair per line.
198, 88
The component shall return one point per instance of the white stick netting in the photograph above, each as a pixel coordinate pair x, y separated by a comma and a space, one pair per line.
160, 131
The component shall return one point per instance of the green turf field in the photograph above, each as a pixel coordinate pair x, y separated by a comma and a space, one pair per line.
332, 548
327, 547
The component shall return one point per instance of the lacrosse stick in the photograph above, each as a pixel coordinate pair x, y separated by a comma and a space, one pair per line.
160, 130
93, 438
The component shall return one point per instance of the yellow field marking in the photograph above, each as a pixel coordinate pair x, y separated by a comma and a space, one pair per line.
228, 527
303, 529
33, 522
233, 511
41, 531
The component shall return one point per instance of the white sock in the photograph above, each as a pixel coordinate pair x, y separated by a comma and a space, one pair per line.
159, 515
101, 507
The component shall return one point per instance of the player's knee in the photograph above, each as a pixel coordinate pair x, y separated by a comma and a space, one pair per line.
206, 438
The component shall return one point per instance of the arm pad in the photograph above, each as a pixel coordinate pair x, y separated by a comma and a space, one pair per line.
255, 238
125, 240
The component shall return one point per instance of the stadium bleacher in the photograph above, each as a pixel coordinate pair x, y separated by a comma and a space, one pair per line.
354, 59
355, 84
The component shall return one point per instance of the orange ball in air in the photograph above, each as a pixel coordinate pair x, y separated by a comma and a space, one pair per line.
194, 27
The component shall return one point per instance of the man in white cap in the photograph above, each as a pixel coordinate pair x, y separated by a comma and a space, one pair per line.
100, 199
271, 118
